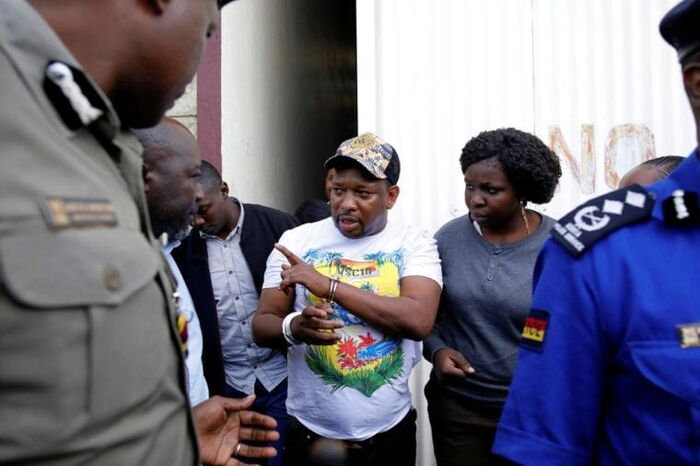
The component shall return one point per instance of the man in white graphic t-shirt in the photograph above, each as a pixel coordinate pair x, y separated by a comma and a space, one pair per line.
351, 297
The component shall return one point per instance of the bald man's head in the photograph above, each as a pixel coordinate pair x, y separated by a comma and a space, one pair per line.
171, 170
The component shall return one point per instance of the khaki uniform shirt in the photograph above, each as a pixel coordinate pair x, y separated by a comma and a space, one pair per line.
91, 370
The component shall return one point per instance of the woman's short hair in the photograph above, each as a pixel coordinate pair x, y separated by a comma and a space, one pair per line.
530, 166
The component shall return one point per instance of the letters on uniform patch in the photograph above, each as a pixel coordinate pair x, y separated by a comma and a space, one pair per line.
600, 216
689, 335
61, 213
535, 330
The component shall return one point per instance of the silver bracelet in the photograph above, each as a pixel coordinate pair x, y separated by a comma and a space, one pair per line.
331, 290
287, 328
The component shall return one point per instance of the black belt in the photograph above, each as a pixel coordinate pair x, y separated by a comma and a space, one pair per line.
356, 444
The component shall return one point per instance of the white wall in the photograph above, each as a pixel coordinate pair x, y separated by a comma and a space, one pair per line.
434, 73
253, 72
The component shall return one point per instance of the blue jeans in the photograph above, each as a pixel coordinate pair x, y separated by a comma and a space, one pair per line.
273, 404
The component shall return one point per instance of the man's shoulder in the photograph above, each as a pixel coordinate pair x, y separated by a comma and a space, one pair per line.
407, 232
270, 213
311, 233
452, 227
193, 245
316, 230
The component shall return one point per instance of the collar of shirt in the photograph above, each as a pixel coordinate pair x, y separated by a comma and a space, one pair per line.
235, 231
686, 176
168, 248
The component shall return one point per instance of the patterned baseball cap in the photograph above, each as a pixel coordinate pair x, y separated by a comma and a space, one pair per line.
375, 155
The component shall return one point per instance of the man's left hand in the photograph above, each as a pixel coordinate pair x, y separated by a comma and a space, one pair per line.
223, 424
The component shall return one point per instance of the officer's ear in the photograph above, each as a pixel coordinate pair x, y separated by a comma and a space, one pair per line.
156, 6
224, 190
147, 173
691, 79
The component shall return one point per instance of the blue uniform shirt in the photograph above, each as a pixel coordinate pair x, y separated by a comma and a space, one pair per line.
611, 383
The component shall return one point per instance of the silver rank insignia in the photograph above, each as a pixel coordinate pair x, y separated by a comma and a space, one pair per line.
689, 335
681, 208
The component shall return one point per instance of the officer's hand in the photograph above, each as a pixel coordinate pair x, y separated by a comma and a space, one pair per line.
450, 363
223, 424
314, 327
298, 272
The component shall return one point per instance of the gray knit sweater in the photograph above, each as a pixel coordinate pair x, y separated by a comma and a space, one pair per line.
485, 298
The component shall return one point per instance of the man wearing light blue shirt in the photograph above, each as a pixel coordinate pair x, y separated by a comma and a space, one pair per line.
196, 384
171, 172
223, 262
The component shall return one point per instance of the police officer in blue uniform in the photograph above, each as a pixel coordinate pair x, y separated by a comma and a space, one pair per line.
609, 370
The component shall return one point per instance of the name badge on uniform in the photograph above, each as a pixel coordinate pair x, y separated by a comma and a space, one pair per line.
689, 335
535, 330
61, 213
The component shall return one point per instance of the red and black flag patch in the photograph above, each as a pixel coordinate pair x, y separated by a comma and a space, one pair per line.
535, 330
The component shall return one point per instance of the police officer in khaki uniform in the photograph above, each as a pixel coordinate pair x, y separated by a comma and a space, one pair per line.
91, 370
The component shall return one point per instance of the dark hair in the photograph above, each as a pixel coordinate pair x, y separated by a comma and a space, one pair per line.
312, 211
210, 177
665, 164
530, 166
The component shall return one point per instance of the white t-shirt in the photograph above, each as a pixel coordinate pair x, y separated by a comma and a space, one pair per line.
358, 387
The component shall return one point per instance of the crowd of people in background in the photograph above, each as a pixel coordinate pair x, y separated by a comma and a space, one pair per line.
149, 317
339, 304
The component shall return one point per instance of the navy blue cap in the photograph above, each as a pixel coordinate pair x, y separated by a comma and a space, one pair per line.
224, 2
681, 28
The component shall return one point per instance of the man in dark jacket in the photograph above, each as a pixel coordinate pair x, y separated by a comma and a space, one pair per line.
223, 263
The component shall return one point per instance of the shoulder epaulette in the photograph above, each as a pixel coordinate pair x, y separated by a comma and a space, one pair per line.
79, 104
71, 93
599, 217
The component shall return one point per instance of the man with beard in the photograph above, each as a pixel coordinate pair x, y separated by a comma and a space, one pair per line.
172, 166
350, 298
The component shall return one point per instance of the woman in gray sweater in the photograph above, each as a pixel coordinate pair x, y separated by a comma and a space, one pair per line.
488, 257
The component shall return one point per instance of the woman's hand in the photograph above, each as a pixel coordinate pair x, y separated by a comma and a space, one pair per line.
450, 363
